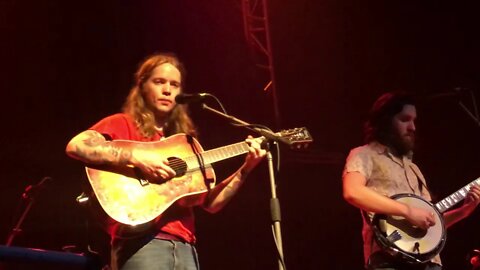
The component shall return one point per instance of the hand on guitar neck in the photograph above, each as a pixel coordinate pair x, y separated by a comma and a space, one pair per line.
256, 154
472, 200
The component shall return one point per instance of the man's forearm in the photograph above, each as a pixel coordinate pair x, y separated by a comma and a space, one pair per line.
222, 193
92, 148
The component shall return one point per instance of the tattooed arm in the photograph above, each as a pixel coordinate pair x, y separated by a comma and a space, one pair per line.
91, 147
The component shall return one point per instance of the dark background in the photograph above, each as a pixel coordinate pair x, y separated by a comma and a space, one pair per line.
65, 65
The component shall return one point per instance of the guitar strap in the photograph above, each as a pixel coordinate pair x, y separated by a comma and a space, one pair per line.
421, 181
200, 161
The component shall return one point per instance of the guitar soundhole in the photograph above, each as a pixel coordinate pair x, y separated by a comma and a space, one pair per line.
178, 165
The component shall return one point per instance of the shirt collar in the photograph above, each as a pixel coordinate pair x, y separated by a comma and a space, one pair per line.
383, 149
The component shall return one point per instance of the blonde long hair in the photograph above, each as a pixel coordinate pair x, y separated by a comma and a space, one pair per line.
135, 105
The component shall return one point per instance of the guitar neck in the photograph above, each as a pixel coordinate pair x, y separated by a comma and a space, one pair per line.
296, 138
456, 197
221, 153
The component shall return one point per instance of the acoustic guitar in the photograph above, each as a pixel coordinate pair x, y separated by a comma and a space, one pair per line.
131, 199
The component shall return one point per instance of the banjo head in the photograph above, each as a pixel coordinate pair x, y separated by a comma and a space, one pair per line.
416, 242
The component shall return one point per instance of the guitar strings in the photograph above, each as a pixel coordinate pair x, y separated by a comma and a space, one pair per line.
178, 163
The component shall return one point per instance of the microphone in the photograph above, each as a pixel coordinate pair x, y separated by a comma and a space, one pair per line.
32, 190
190, 98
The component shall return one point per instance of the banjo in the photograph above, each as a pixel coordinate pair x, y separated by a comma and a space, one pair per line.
415, 245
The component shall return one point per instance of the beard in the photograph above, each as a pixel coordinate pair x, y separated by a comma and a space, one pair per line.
403, 143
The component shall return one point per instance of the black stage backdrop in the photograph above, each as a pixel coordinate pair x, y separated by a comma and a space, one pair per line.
65, 65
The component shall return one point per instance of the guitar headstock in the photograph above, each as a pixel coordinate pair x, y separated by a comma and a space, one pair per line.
296, 137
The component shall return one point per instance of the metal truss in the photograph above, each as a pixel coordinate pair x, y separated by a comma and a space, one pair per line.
257, 34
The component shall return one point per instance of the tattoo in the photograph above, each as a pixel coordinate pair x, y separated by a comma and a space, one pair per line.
95, 149
81, 153
114, 152
125, 156
94, 140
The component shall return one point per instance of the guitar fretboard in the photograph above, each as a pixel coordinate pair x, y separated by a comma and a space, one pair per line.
218, 154
456, 197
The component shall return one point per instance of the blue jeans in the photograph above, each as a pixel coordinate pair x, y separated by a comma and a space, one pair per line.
153, 254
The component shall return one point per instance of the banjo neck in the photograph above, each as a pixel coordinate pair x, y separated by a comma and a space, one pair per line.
456, 197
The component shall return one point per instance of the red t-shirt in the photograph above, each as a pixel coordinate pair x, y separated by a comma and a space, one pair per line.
176, 220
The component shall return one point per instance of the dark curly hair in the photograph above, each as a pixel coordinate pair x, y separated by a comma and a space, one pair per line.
378, 125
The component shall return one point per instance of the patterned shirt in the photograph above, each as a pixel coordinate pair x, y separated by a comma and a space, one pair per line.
388, 175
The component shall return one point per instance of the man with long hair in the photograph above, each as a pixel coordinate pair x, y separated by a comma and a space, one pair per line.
383, 167
150, 113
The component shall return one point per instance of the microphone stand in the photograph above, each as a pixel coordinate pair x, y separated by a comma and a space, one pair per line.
29, 195
274, 201
16, 229
474, 115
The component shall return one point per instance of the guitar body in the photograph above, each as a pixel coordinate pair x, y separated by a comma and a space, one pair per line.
130, 199
396, 235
